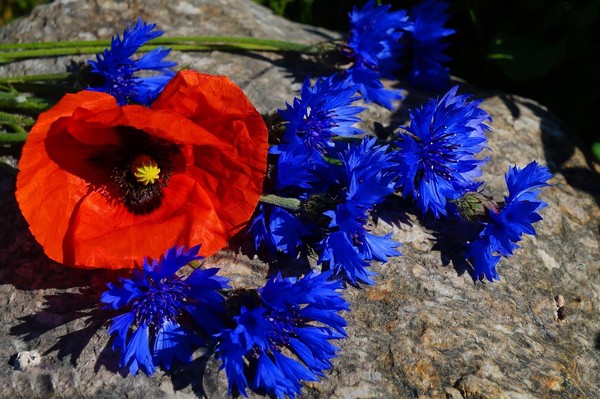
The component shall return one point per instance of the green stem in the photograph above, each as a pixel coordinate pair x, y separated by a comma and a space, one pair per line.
12, 138
46, 45
13, 100
45, 89
17, 123
54, 49
35, 78
288, 203
270, 45
167, 41
500, 56
477, 25
358, 138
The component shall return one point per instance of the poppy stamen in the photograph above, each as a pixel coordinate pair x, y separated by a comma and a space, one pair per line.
145, 169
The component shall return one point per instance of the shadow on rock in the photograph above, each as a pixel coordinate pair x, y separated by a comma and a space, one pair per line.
192, 375
394, 210
32, 270
560, 145
559, 149
451, 236
70, 320
281, 263
296, 66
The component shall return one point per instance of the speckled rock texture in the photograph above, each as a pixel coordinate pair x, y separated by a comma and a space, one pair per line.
424, 330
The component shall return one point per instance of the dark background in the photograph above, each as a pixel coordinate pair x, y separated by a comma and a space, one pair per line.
542, 49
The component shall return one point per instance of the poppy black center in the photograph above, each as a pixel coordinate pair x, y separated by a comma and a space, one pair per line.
138, 196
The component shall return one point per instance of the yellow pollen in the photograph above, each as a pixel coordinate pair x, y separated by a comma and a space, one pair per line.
145, 169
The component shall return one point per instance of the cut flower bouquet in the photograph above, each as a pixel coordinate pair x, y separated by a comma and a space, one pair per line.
152, 169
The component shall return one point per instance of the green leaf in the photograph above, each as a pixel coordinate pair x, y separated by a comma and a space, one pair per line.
596, 150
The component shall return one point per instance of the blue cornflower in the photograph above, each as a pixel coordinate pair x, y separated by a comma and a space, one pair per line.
425, 45
323, 111
368, 179
520, 208
278, 229
280, 334
156, 301
514, 219
298, 173
373, 47
436, 158
117, 71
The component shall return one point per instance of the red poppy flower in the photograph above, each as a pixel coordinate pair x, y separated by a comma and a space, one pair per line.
105, 186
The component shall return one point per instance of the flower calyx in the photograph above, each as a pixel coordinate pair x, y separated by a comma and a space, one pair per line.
475, 206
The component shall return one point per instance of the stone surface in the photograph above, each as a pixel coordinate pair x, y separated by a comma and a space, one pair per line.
425, 330
26, 360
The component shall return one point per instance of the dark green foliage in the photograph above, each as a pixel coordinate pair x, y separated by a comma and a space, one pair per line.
10, 9
542, 49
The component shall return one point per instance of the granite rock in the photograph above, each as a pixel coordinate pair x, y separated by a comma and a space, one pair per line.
424, 330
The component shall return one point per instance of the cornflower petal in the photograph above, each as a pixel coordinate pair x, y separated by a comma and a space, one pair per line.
508, 226
309, 357
120, 325
483, 261
374, 37
520, 209
315, 289
172, 344
296, 167
323, 111
154, 60
368, 83
270, 378
344, 258
137, 354
259, 229
317, 339
369, 170
278, 229
378, 247
233, 361
150, 88
525, 184
293, 370
117, 297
